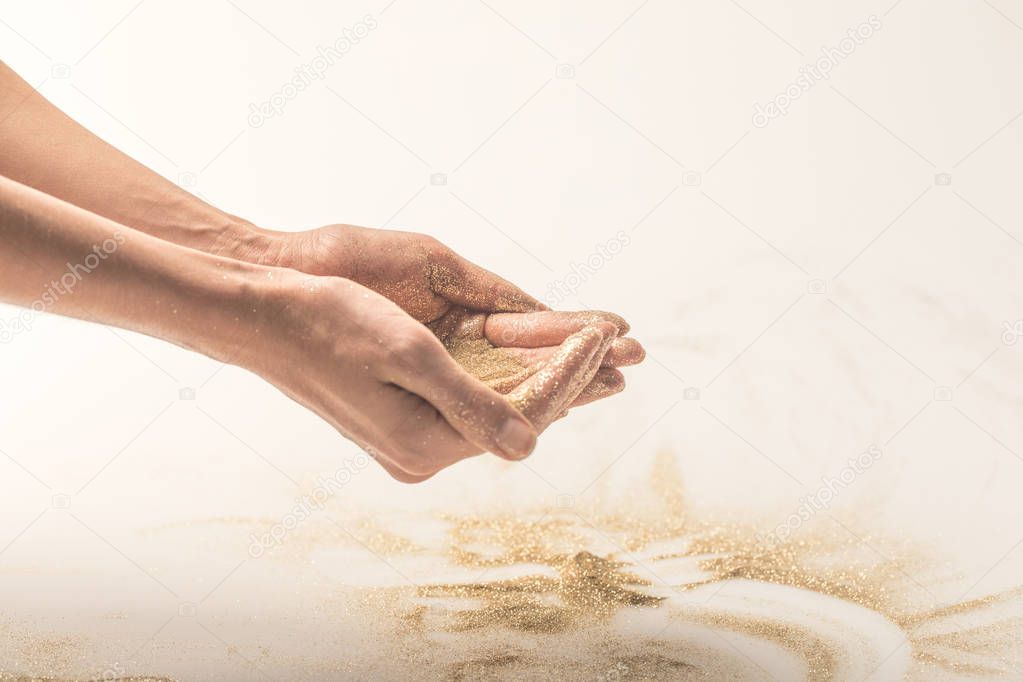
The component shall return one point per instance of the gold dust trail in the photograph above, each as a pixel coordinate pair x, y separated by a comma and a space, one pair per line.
573, 588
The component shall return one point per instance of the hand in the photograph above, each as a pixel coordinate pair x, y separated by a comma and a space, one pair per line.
504, 349
385, 381
432, 284
415, 271
352, 356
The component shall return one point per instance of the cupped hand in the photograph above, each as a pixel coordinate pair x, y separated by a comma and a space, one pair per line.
415, 271
386, 382
435, 285
503, 350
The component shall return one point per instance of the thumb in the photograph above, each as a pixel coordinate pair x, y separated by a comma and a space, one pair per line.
467, 284
480, 414
553, 389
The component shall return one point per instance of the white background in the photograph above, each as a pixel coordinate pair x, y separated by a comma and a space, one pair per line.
732, 231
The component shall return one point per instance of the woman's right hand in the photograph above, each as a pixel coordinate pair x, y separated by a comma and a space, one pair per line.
386, 381
353, 356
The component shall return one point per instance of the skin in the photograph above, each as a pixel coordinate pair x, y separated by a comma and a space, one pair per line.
379, 376
430, 282
47, 150
348, 321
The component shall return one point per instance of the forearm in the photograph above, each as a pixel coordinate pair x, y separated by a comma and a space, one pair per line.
43, 148
56, 257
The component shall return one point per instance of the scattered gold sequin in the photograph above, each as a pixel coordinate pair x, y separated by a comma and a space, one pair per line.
586, 589
572, 590
551, 588
486, 362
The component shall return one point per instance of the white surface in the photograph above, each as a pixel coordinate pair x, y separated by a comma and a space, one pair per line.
728, 227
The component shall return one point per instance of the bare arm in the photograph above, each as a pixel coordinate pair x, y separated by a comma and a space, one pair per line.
59, 258
354, 357
44, 148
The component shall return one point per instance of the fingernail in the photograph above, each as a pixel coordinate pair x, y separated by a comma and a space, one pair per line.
613, 381
621, 325
617, 321
609, 330
516, 439
640, 353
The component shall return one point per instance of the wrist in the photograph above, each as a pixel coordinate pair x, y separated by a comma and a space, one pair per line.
129, 278
182, 219
321, 252
217, 305
240, 304
232, 237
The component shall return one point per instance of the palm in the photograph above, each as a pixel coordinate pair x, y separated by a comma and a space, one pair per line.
417, 272
492, 328
542, 382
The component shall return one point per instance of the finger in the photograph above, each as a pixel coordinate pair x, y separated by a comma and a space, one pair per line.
580, 401
467, 284
422, 442
545, 328
553, 388
462, 336
606, 382
400, 475
479, 413
623, 352
594, 367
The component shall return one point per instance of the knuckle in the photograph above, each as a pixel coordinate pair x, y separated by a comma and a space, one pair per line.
398, 466
407, 478
411, 456
422, 459
429, 241
432, 244
415, 464
411, 345
440, 253
470, 406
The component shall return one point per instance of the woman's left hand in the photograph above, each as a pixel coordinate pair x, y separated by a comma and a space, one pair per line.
462, 303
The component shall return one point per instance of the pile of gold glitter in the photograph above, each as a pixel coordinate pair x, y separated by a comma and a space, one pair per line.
549, 589
486, 362
573, 590
586, 589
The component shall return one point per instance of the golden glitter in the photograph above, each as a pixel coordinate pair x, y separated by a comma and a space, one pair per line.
457, 284
957, 667
570, 590
462, 333
486, 362
50, 657
659, 591
4, 677
587, 588
540, 391
378, 540
820, 655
